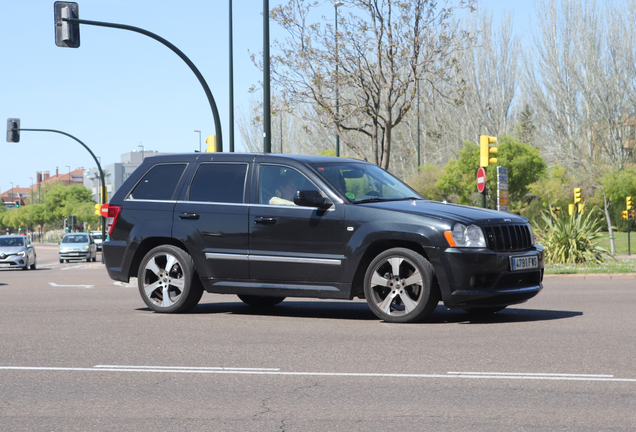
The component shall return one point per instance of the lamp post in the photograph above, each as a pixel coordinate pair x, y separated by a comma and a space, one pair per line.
69, 174
336, 5
267, 109
231, 60
418, 125
200, 139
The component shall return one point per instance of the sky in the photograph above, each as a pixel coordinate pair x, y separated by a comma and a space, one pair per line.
121, 90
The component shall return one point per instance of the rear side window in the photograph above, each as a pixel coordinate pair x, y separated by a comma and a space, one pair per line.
219, 182
159, 183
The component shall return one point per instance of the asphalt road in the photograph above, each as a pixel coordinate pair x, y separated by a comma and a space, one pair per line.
79, 352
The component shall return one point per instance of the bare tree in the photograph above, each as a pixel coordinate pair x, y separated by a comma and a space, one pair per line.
384, 48
581, 79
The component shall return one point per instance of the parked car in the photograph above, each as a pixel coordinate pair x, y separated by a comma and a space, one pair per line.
228, 223
78, 246
17, 251
97, 238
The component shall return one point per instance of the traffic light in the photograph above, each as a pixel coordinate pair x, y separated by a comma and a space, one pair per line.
67, 33
630, 203
17, 203
98, 209
624, 215
211, 141
13, 130
577, 195
570, 209
631, 214
581, 205
485, 150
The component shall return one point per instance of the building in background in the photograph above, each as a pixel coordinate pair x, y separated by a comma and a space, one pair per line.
22, 194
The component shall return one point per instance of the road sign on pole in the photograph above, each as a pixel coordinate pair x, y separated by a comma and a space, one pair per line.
503, 202
481, 179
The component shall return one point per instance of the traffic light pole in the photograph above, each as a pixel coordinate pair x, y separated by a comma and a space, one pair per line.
99, 167
206, 88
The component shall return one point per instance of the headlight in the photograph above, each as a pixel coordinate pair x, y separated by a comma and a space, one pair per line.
465, 236
21, 253
86, 247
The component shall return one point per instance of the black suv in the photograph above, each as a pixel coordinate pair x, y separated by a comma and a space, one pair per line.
267, 226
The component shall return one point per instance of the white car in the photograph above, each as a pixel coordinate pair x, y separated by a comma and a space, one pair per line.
97, 236
17, 251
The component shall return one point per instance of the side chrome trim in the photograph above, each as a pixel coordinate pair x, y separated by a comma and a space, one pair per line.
222, 256
276, 286
268, 258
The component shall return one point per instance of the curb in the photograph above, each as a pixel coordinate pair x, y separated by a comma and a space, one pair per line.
579, 276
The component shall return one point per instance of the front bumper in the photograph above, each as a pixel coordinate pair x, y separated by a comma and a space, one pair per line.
482, 278
74, 255
14, 261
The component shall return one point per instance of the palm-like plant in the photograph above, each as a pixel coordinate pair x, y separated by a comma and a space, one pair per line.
573, 240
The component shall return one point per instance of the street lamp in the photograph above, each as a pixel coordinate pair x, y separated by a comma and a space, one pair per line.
336, 5
267, 107
200, 140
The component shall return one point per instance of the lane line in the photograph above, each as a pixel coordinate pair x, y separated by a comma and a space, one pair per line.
258, 371
186, 368
53, 284
531, 374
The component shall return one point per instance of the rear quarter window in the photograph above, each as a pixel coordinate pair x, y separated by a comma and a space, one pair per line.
159, 184
219, 182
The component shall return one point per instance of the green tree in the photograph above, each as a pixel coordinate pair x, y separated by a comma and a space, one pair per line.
525, 166
424, 181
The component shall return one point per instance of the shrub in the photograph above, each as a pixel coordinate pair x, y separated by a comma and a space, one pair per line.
572, 239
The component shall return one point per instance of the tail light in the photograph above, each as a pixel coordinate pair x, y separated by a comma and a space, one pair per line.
111, 213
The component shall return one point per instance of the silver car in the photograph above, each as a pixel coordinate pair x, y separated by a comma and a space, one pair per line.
78, 246
17, 251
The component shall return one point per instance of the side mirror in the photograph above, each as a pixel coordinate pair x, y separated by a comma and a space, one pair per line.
312, 198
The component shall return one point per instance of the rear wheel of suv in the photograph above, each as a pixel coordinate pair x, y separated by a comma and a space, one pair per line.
260, 301
167, 280
398, 286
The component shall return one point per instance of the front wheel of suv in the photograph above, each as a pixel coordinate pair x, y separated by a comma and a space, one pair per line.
167, 280
398, 286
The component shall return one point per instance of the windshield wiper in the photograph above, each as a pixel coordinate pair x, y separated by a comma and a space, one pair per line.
370, 200
378, 199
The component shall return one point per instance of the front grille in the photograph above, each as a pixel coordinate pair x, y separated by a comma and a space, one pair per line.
508, 237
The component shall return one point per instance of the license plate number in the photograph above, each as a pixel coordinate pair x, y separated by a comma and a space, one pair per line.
524, 263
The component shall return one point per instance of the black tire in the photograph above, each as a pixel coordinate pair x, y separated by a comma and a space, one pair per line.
168, 270
405, 297
484, 311
34, 265
260, 301
61, 261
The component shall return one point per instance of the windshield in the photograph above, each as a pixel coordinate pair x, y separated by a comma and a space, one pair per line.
361, 182
75, 238
11, 241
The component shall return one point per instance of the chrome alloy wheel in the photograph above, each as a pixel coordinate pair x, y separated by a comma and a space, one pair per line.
163, 280
397, 286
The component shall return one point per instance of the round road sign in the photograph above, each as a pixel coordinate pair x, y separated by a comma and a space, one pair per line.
481, 179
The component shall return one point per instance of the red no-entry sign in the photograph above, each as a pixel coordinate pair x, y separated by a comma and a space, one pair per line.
481, 179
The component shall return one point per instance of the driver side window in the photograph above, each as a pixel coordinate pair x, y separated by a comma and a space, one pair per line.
278, 184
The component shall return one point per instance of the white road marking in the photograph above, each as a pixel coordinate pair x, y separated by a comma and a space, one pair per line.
268, 371
71, 286
124, 284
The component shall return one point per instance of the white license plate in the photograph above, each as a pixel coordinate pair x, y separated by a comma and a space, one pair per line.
524, 263
5, 265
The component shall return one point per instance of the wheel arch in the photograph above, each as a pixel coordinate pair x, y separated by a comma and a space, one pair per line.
146, 246
376, 248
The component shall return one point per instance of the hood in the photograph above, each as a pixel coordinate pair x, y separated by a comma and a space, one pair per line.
11, 250
450, 212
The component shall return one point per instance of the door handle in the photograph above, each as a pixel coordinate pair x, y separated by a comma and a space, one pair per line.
188, 215
265, 220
